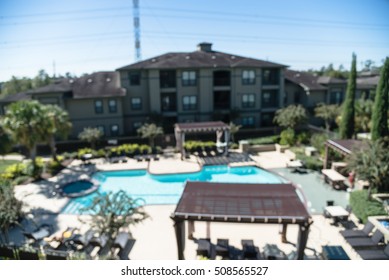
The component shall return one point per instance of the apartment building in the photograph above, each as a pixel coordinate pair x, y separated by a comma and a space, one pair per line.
202, 85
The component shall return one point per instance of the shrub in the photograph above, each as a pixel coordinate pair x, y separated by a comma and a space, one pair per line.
69, 155
318, 140
13, 171
303, 138
264, 140
363, 207
288, 137
85, 151
53, 167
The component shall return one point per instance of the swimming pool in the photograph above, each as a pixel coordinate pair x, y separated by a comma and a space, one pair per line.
167, 189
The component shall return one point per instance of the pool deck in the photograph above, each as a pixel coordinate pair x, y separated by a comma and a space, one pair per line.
155, 238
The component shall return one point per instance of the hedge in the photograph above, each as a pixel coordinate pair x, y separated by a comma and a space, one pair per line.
363, 207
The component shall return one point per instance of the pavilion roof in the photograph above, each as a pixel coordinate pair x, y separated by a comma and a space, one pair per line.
201, 127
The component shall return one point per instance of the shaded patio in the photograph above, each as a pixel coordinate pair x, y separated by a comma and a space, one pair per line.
242, 203
344, 147
220, 128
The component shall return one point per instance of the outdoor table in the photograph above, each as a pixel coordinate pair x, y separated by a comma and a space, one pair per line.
334, 253
333, 176
337, 212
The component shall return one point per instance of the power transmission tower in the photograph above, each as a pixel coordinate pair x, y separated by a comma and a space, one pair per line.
136, 29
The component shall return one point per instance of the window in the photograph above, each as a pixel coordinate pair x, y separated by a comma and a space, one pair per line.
98, 106
136, 103
336, 97
114, 130
168, 102
248, 100
134, 78
270, 77
248, 77
112, 106
221, 78
167, 79
270, 99
248, 122
189, 102
101, 128
189, 78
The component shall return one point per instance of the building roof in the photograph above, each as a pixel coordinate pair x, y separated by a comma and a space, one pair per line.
99, 84
205, 58
59, 86
15, 97
330, 80
367, 82
345, 146
250, 203
201, 126
306, 80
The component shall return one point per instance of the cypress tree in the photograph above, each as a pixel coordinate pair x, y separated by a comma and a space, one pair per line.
347, 123
381, 104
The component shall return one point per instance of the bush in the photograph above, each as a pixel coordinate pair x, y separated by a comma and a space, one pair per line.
311, 162
24, 169
264, 140
13, 171
287, 137
363, 207
318, 140
53, 167
303, 138
84, 151
69, 155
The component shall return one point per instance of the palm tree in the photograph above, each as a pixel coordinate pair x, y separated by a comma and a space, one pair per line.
25, 120
150, 131
233, 130
57, 125
328, 113
372, 164
90, 135
363, 114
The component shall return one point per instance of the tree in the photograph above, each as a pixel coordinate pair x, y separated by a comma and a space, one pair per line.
233, 130
10, 209
371, 164
363, 113
41, 79
90, 135
5, 141
150, 131
381, 103
58, 124
291, 116
113, 211
347, 123
25, 120
328, 113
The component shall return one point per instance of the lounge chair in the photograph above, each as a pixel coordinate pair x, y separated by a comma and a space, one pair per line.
28, 255
7, 252
367, 229
272, 252
204, 248
249, 250
55, 255
375, 254
125, 251
41, 232
121, 240
222, 248
366, 242
83, 239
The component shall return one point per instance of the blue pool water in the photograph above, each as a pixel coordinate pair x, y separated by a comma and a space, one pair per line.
77, 187
167, 189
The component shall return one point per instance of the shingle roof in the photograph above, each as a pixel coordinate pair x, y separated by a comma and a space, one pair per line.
367, 82
15, 97
330, 80
199, 59
99, 84
62, 85
305, 80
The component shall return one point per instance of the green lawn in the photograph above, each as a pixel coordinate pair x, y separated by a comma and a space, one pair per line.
5, 163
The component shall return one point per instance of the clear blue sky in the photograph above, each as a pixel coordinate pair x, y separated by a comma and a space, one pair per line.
83, 36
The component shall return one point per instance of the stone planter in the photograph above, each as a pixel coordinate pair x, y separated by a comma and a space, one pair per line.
281, 148
262, 148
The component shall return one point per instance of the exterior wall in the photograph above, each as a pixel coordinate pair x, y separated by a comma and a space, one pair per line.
82, 114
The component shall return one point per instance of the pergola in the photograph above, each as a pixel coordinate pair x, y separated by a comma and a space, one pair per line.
344, 147
241, 203
180, 129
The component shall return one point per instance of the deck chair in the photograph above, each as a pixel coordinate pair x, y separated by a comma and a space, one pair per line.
249, 250
83, 239
350, 233
204, 248
125, 251
366, 242
121, 240
222, 247
375, 254
41, 232
56, 255
7, 252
